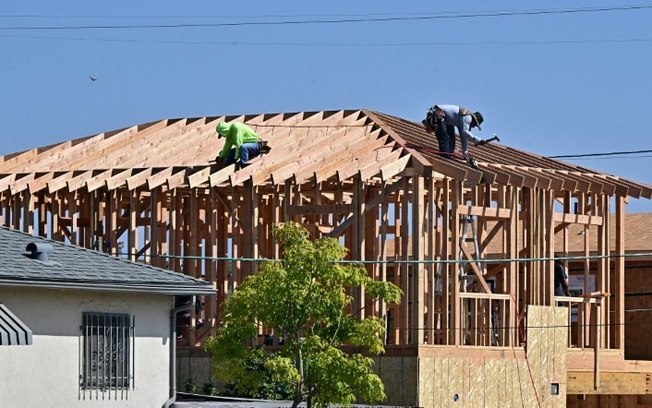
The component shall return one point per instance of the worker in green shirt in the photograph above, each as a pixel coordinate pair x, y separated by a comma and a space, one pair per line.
242, 144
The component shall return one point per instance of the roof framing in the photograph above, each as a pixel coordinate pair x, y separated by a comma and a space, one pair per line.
151, 193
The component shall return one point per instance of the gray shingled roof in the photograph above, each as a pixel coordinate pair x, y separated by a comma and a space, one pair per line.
71, 267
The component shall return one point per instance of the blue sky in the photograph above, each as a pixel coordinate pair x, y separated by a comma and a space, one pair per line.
553, 78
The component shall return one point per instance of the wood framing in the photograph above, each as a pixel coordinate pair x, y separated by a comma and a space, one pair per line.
472, 249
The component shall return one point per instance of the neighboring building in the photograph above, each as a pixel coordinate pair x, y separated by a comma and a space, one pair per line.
83, 329
368, 178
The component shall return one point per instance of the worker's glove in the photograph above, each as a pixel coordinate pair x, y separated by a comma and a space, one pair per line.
219, 162
481, 142
470, 160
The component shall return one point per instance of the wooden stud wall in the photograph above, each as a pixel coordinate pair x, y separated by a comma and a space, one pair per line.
406, 218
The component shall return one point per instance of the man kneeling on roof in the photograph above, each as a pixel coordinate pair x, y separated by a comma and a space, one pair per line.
443, 119
242, 144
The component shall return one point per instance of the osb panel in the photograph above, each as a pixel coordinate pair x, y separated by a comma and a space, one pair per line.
410, 374
561, 346
476, 385
427, 375
494, 382
535, 338
441, 377
512, 385
455, 383
399, 375
526, 396
504, 382
546, 352
458, 382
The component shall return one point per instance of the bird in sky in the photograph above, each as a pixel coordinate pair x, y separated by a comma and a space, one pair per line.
92, 78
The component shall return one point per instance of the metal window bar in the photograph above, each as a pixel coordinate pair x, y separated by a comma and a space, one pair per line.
108, 355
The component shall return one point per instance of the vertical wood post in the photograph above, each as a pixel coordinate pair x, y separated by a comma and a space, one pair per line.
418, 268
619, 280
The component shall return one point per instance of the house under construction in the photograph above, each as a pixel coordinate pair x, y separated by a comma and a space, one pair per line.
474, 328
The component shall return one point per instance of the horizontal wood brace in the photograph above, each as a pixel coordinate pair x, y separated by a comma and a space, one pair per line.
578, 219
320, 209
487, 212
478, 295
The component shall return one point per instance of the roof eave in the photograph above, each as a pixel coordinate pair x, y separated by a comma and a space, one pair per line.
172, 290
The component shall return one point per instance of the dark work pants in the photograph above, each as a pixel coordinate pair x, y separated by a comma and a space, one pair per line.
446, 137
247, 151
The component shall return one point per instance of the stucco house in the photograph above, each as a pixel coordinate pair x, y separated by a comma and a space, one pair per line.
82, 328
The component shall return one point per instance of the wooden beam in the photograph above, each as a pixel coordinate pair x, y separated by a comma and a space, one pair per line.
6, 181
41, 182
476, 270
158, 179
177, 179
199, 177
581, 219
619, 280
139, 178
118, 179
98, 180
418, 254
611, 383
221, 176
320, 209
486, 212
388, 190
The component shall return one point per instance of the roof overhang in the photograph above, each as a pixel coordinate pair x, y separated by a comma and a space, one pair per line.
172, 290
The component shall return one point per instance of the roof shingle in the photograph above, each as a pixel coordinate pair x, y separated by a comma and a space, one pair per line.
75, 267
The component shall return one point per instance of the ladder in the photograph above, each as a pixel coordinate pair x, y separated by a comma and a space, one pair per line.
467, 280
466, 221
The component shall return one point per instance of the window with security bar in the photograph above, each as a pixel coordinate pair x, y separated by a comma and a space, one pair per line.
107, 362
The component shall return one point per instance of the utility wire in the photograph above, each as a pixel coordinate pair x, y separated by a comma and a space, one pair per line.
333, 21
350, 15
569, 156
397, 261
346, 45
510, 327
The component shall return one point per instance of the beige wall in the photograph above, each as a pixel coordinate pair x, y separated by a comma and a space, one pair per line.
46, 373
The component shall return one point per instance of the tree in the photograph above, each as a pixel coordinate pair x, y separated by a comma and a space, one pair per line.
304, 299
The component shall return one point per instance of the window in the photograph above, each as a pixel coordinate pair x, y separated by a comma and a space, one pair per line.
107, 352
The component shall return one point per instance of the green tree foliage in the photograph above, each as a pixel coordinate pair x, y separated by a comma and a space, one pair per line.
304, 299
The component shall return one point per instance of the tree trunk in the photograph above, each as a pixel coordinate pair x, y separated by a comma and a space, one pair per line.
298, 392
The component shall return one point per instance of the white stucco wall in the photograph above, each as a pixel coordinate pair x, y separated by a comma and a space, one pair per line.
46, 373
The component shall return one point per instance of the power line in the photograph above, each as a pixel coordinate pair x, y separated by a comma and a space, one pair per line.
568, 156
350, 15
336, 20
510, 327
344, 45
397, 261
